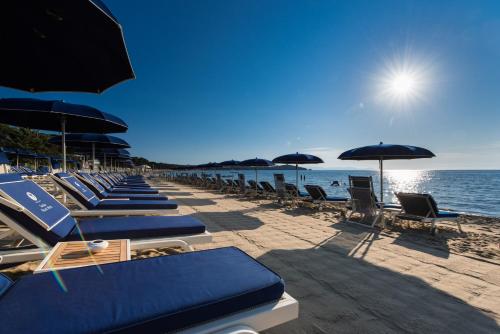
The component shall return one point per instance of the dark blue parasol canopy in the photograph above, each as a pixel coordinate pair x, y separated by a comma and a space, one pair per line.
256, 163
386, 152
298, 159
61, 45
96, 140
383, 152
49, 114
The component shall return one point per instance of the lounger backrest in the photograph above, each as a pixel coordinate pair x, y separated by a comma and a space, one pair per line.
279, 184
41, 213
315, 192
360, 181
241, 182
78, 190
96, 185
102, 181
422, 205
362, 200
292, 189
267, 187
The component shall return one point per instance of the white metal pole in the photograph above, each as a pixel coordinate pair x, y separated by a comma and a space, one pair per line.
63, 130
297, 177
93, 157
381, 166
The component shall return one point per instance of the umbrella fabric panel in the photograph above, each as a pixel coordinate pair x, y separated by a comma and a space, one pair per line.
48, 115
386, 152
60, 45
297, 158
87, 139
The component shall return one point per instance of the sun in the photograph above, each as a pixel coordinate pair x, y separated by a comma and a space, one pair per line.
402, 82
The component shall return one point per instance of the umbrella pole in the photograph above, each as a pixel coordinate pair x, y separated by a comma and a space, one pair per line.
381, 166
63, 130
17, 160
93, 157
104, 160
256, 179
297, 176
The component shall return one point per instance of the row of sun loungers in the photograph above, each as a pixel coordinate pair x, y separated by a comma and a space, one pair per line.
216, 291
362, 201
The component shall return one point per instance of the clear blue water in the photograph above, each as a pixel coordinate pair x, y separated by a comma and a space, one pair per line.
470, 191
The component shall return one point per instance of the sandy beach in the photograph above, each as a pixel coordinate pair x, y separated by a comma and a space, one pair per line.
352, 279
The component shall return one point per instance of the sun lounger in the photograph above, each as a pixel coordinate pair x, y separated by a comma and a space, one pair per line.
39, 218
127, 190
367, 182
101, 193
363, 203
215, 291
423, 207
255, 186
294, 192
319, 196
87, 200
268, 188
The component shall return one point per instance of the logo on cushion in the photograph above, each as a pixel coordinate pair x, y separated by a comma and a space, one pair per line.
31, 196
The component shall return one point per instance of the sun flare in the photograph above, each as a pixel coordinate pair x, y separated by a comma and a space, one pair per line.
402, 82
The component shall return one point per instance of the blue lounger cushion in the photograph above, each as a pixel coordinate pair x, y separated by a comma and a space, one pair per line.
135, 205
5, 284
390, 206
336, 199
133, 191
155, 295
136, 227
136, 196
447, 214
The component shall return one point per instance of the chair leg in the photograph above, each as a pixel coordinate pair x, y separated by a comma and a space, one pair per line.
433, 228
459, 226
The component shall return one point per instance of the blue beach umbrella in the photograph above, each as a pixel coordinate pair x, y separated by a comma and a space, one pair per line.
61, 45
255, 163
297, 159
93, 140
383, 152
55, 115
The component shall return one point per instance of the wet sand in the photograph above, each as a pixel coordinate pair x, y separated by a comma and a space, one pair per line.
352, 279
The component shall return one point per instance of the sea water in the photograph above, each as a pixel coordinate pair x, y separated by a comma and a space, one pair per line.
470, 191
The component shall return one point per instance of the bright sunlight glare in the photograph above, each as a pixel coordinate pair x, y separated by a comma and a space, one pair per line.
403, 82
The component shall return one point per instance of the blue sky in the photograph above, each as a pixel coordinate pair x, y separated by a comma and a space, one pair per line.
236, 79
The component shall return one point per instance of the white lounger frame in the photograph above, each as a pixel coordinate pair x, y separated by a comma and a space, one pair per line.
251, 321
84, 212
42, 248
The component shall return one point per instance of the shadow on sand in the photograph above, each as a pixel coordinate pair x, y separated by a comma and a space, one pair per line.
195, 201
342, 294
228, 221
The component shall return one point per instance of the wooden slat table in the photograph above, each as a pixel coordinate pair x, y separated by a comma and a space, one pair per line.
75, 254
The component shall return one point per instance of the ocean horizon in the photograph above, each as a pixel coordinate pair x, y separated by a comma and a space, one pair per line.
474, 191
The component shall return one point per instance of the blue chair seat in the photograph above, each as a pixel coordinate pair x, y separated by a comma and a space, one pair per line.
112, 204
132, 191
447, 214
336, 199
390, 206
136, 196
135, 227
155, 295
